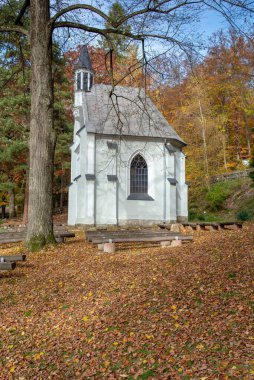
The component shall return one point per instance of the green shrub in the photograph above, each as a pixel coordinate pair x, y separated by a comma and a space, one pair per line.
243, 215
247, 210
196, 215
193, 215
215, 197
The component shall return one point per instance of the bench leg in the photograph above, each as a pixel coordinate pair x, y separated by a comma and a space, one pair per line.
60, 239
109, 247
165, 243
176, 243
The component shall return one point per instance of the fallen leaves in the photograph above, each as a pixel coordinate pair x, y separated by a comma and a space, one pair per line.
68, 313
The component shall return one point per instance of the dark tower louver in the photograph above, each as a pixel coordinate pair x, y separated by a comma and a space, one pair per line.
84, 71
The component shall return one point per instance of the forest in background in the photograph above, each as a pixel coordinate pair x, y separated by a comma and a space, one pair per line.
209, 102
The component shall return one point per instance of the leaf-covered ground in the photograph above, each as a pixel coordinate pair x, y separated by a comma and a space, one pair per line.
142, 313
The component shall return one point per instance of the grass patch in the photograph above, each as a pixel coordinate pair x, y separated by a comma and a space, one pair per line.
214, 204
219, 192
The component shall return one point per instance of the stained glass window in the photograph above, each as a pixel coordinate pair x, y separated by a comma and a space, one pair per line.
138, 175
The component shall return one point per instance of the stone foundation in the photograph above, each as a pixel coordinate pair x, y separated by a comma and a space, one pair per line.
182, 219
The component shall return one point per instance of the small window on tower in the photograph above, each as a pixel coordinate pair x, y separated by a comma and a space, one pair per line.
85, 81
91, 82
78, 81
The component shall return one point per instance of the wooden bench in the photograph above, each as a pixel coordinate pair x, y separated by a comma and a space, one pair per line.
12, 237
9, 265
101, 240
9, 262
237, 224
12, 258
212, 225
60, 236
131, 235
101, 237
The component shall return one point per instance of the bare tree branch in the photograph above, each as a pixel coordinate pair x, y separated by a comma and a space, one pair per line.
104, 32
79, 6
13, 74
156, 9
241, 5
14, 28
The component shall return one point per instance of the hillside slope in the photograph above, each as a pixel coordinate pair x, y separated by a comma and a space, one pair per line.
226, 200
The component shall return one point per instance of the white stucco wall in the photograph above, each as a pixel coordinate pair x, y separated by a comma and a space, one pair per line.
111, 209
111, 205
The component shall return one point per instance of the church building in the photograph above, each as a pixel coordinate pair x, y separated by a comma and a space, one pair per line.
127, 164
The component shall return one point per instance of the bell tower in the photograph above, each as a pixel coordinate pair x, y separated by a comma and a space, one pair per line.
83, 71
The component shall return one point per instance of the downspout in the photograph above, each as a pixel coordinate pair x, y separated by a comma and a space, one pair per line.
117, 222
177, 188
164, 171
94, 199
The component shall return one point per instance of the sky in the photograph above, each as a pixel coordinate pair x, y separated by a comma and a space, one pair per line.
211, 22
200, 31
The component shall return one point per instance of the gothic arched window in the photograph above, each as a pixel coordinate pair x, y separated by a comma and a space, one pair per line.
138, 175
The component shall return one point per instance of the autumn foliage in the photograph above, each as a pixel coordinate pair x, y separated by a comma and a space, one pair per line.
110, 69
212, 107
144, 313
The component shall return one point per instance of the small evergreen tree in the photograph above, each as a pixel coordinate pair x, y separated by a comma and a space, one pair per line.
119, 43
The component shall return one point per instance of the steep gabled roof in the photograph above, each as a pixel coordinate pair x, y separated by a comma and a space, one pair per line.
127, 112
84, 61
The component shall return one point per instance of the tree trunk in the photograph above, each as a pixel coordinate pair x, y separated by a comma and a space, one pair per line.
12, 212
203, 129
3, 212
237, 135
61, 192
223, 140
42, 138
247, 134
25, 211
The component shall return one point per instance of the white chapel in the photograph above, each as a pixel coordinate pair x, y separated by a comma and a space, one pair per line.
127, 164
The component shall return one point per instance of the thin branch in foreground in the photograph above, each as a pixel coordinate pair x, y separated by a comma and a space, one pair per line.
23, 9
